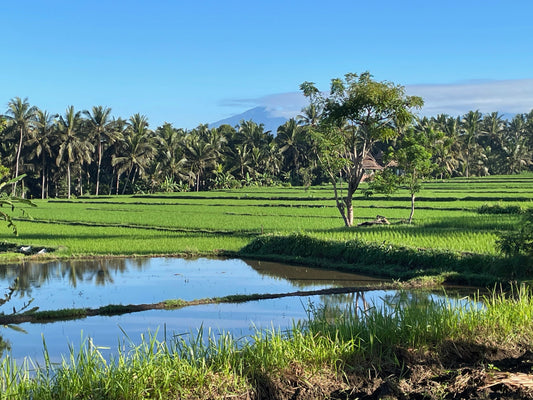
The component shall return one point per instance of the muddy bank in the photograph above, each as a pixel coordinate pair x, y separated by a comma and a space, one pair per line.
456, 370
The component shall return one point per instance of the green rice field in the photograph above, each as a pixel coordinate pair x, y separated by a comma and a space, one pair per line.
446, 218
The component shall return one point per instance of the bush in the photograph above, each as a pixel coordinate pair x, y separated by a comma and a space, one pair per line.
499, 209
519, 242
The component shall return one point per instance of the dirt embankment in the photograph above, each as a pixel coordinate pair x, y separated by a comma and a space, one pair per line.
453, 371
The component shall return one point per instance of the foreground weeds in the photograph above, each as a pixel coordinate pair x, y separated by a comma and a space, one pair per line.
411, 347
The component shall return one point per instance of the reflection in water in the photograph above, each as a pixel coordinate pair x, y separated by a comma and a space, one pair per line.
34, 274
99, 282
303, 277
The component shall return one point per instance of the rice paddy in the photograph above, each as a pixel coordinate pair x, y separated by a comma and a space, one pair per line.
446, 218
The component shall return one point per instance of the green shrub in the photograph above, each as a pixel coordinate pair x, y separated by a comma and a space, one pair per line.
520, 241
499, 209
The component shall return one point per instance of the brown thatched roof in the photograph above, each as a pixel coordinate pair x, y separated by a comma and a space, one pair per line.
370, 163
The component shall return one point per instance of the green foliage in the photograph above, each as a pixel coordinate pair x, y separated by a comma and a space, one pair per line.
384, 182
11, 202
499, 208
519, 241
412, 158
357, 115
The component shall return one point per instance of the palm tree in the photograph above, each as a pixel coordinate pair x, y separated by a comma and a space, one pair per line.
517, 152
42, 142
310, 116
470, 129
200, 157
101, 127
492, 131
73, 146
240, 159
291, 143
21, 118
171, 145
137, 150
253, 134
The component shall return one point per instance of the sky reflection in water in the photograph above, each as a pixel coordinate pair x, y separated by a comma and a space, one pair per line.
94, 283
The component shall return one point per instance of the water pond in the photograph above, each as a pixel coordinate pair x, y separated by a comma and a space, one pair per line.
95, 283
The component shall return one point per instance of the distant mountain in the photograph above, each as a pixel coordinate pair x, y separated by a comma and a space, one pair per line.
260, 115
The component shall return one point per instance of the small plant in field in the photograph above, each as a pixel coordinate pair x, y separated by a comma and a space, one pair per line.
169, 185
519, 242
499, 209
175, 303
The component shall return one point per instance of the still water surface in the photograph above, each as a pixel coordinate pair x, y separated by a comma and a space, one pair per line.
94, 283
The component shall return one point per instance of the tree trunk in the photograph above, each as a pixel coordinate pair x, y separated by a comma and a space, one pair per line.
43, 177
19, 149
467, 162
99, 164
111, 183
133, 180
118, 182
349, 211
81, 180
68, 178
412, 207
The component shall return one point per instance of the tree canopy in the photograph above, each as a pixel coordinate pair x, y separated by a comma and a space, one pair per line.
337, 137
357, 115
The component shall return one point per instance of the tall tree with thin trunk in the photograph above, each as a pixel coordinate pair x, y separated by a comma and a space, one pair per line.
136, 150
21, 118
200, 157
470, 129
102, 129
73, 147
41, 142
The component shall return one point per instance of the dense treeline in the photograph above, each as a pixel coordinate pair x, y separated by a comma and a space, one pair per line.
91, 152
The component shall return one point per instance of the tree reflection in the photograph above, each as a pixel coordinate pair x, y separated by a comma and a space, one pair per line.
32, 274
305, 277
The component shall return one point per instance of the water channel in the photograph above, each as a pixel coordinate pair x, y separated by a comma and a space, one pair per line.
95, 283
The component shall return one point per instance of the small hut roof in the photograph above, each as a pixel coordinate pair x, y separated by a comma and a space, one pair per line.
370, 163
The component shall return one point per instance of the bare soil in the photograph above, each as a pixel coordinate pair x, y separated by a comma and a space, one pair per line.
454, 371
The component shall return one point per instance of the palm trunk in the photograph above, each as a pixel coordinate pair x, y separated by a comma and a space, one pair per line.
133, 180
19, 149
43, 176
118, 182
68, 178
99, 164
81, 180
111, 183
127, 181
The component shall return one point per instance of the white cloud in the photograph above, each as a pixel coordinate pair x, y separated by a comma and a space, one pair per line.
511, 96
508, 96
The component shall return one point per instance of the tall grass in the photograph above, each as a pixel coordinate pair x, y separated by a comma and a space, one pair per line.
331, 343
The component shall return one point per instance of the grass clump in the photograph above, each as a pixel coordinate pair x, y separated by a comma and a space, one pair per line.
175, 303
500, 209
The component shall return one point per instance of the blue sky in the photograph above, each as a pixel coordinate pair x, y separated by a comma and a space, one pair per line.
192, 62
